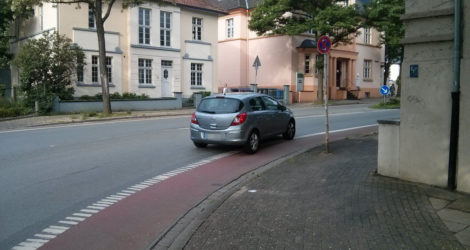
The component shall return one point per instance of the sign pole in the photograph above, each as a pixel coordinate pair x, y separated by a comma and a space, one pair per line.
325, 90
323, 47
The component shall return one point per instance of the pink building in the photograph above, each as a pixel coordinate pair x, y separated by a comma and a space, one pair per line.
355, 69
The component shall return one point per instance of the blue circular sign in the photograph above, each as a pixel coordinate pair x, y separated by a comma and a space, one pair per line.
324, 44
384, 90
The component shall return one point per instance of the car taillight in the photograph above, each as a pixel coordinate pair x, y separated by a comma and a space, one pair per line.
194, 119
239, 119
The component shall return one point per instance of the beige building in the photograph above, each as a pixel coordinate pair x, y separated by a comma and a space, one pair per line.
152, 49
355, 69
422, 141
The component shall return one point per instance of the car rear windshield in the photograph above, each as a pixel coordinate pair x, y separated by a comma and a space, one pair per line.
220, 105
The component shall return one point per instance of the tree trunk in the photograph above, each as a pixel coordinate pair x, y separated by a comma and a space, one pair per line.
102, 57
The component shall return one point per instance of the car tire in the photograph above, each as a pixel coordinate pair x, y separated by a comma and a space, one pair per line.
252, 144
200, 144
290, 131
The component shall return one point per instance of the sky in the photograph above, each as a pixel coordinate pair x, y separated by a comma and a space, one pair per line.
394, 71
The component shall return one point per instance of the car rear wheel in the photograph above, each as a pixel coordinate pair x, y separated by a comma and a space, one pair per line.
252, 145
200, 144
290, 131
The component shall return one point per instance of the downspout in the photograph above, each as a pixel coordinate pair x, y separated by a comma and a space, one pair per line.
454, 125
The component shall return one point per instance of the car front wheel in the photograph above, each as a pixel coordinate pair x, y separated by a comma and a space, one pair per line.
290, 131
252, 145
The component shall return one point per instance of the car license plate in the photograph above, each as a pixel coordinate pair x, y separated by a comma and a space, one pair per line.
210, 136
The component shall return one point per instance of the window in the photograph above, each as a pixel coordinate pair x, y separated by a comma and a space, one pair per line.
144, 26
109, 69
367, 69
307, 64
91, 18
197, 28
145, 71
367, 35
196, 74
165, 28
229, 24
94, 69
270, 104
80, 73
167, 63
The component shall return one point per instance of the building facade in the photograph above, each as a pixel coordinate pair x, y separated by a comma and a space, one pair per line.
355, 69
151, 49
429, 81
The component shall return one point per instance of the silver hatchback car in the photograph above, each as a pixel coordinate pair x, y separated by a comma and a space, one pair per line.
240, 119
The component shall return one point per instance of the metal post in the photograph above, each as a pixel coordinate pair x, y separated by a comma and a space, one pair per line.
325, 90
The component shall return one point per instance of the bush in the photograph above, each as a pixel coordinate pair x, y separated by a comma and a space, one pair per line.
114, 96
12, 109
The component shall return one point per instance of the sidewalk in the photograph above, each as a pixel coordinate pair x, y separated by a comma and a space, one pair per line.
335, 201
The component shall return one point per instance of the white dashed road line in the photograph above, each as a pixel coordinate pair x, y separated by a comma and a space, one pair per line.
53, 231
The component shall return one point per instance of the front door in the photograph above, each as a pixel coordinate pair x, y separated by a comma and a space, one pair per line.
166, 81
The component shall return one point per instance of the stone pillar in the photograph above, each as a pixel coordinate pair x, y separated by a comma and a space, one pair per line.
254, 87
197, 99
286, 95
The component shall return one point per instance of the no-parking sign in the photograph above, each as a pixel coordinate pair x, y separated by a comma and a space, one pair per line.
324, 44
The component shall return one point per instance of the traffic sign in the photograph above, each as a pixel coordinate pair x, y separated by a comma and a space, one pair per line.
257, 63
324, 45
384, 90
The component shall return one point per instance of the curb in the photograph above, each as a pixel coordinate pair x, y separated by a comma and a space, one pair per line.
177, 235
110, 119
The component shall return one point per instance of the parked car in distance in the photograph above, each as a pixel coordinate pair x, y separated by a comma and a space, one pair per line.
240, 119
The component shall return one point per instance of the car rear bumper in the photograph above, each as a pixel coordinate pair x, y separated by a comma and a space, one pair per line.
232, 136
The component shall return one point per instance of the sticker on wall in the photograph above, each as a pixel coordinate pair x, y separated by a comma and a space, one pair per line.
414, 71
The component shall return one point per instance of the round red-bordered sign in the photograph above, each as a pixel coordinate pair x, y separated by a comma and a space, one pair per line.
324, 44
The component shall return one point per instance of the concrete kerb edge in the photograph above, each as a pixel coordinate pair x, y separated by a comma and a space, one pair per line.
178, 234
109, 119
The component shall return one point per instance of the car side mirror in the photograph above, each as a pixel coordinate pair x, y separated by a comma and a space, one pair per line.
282, 108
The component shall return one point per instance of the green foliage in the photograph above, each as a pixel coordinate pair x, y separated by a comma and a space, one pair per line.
114, 96
385, 16
296, 17
9, 108
392, 103
2, 90
46, 67
6, 17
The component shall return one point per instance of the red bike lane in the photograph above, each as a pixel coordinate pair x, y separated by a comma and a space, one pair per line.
136, 221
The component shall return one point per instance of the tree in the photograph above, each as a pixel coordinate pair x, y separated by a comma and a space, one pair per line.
47, 66
6, 18
101, 10
385, 15
294, 17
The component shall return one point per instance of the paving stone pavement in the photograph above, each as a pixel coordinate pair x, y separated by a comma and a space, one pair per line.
329, 201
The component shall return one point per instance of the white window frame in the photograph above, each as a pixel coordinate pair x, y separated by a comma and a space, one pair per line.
229, 27
94, 69
165, 29
144, 26
367, 33
197, 28
196, 74
109, 68
367, 71
91, 18
307, 64
145, 71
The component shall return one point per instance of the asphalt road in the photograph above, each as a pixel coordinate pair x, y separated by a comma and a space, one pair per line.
48, 173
